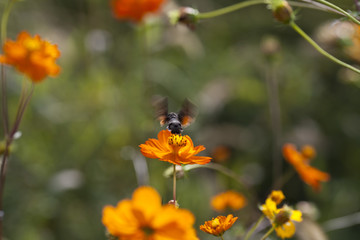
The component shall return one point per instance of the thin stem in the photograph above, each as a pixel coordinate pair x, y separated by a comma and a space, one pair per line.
227, 172
4, 110
275, 112
251, 231
333, 6
174, 183
320, 50
4, 20
268, 233
222, 238
21, 110
284, 178
230, 9
314, 5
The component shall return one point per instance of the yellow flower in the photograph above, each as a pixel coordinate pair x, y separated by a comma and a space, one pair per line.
277, 196
300, 161
173, 148
32, 56
229, 199
144, 218
280, 218
217, 226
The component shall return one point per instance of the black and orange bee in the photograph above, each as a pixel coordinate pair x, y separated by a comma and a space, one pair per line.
175, 121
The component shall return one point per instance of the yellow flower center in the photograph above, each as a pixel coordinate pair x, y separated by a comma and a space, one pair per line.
215, 223
32, 44
177, 140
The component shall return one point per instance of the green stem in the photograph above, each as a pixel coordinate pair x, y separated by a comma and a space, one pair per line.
320, 50
230, 9
222, 238
311, 5
333, 6
4, 20
174, 184
247, 191
251, 231
268, 233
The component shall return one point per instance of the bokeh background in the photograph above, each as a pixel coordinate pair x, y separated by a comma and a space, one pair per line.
80, 135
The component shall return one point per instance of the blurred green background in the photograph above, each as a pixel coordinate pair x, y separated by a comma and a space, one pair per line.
80, 134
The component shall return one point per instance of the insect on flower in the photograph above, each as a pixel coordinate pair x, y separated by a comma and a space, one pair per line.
175, 121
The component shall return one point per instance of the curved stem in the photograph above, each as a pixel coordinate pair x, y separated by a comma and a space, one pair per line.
251, 231
268, 233
320, 50
333, 6
314, 5
227, 172
230, 9
4, 20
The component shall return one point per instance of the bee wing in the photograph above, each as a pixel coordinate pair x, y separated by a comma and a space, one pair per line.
161, 109
187, 113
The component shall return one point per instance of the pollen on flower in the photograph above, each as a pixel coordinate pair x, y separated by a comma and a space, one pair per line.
177, 140
169, 147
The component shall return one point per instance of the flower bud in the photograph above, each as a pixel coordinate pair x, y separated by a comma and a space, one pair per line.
282, 11
184, 15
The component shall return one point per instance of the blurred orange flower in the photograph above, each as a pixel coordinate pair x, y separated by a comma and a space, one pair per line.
229, 199
217, 226
173, 148
143, 217
32, 56
300, 161
281, 218
135, 10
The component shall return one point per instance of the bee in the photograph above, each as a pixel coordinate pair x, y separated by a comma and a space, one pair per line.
175, 121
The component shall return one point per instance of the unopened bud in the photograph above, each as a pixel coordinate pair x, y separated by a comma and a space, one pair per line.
282, 11
308, 152
184, 15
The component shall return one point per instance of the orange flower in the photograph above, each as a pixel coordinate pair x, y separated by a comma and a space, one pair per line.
144, 218
32, 56
228, 199
219, 225
173, 148
135, 10
300, 161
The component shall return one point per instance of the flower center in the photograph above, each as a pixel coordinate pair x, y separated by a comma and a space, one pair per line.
177, 140
147, 230
31, 44
215, 223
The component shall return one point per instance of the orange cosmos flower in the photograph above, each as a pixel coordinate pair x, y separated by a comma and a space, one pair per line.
229, 199
135, 10
173, 148
219, 225
144, 218
32, 56
300, 161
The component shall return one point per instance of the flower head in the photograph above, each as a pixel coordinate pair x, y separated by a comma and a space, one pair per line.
135, 10
217, 226
280, 218
229, 199
32, 56
173, 148
300, 161
143, 217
